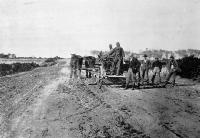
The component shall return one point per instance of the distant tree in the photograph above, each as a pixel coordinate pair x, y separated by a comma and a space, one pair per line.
4, 55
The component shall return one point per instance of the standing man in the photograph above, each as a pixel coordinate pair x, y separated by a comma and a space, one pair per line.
145, 66
173, 69
138, 72
134, 66
118, 58
157, 66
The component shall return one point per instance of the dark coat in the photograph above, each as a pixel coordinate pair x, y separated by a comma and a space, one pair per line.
134, 64
157, 64
174, 63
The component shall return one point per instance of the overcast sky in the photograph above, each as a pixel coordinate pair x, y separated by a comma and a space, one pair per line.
60, 27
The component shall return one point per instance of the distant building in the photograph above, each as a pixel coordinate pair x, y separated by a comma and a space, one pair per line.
11, 56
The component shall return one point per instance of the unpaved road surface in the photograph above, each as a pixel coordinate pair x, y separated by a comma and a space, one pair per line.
46, 103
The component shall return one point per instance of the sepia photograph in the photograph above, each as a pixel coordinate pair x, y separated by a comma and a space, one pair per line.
99, 69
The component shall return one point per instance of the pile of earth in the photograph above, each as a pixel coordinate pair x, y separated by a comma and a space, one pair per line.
83, 112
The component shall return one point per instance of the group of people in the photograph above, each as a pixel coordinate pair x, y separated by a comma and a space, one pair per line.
117, 54
135, 67
141, 69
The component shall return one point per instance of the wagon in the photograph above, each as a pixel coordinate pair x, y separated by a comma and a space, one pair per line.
101, 72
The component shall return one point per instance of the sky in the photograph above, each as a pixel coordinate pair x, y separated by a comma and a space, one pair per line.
47, 28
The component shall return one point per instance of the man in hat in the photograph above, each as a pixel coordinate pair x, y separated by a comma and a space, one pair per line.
134, 66
119, 54
173, 69
157, 66
145, 66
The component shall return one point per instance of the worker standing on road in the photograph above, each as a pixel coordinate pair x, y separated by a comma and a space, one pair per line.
173, 69
145, 66
118, 58
134, 66
138, 73
157, 66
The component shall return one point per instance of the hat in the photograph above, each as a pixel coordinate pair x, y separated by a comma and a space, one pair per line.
145, 55
156, 58
172, 56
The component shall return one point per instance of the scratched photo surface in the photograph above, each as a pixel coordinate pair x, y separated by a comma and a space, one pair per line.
99, 68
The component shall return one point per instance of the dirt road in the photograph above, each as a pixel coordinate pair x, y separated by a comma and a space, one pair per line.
23, 96
46, 103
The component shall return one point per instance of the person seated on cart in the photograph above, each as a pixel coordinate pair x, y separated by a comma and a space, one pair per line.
110, 47
118, 53
134, 67
106, 60
110, 59
157, 66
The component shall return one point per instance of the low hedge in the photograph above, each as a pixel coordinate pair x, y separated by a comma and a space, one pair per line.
190, 67
7, 69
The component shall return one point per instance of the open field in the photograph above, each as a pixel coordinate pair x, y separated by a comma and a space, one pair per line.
44, 102
11, 61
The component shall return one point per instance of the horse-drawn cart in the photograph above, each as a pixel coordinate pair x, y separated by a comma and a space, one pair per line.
101, 72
